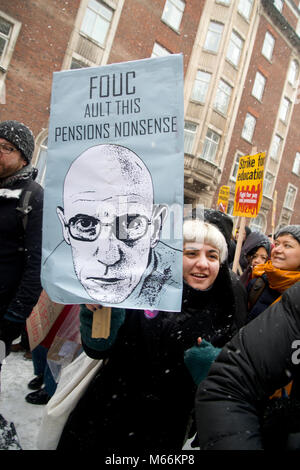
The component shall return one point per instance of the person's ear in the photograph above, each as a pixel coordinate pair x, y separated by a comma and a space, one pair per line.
61, 216
159, 215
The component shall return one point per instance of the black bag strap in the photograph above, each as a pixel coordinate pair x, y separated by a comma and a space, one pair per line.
24, 208
256, 291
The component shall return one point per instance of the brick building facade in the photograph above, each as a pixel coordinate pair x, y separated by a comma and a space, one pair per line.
241, 66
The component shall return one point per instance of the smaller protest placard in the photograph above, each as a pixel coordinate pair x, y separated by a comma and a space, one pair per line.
249, 185
41, 319
223, 197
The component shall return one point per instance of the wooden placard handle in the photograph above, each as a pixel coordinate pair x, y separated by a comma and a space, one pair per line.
101, 323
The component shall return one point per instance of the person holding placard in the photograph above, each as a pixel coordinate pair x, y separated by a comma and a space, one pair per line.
132, 404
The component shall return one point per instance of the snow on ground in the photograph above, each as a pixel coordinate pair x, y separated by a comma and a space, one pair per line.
15, 374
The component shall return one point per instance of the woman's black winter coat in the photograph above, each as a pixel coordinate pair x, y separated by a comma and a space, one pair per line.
263, 357
142, 398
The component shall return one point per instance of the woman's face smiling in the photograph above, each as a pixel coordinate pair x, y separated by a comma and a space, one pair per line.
286, 253
201, 264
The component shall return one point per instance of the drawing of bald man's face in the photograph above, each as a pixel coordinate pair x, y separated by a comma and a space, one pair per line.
109, 220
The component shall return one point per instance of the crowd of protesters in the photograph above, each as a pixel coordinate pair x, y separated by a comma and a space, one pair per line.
221, 370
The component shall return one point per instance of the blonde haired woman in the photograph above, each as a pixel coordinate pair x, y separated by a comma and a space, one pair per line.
132, 405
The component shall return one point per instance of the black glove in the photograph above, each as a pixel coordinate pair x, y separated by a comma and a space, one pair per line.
9, 330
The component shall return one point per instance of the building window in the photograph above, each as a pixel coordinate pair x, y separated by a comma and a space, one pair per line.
268, 184
190, 130
290, 197
249, 127
210, 146
213, 36
235, 167
259, 86
278, 4
41, 162
245, 8
296, 166
284, 110
222, 97
235, 48
96, 21
173, 12
257, 224
5, 34
77, 64
9, 31
268, 46
159, 51
201, 85
293, 72
276, 146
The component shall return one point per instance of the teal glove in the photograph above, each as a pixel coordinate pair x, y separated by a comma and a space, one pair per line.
100, 344
198, 360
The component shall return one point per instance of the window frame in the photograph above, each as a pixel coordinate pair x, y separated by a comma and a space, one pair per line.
294, 74
265, 46
187, 134
260, 86
235, 166
178, 6
279, 147
296, 164
255, 227
96, 17
245, 12
201, 87
210, 33
280, 6
254, 120
161, 48
10, 41
221, 93
268, 188
284, 118
208, 144
286, 198
232, 46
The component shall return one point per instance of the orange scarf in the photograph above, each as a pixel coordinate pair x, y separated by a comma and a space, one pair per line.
279, 280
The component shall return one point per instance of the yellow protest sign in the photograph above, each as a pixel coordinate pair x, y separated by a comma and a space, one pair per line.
249, 185
222, 204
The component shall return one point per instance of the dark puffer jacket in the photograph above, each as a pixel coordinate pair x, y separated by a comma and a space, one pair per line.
143, 397
20, 251
263, 357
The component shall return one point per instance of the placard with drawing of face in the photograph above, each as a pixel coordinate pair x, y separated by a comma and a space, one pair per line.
111, 224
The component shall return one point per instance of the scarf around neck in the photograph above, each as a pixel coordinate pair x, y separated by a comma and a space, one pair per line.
23, 174
279, 279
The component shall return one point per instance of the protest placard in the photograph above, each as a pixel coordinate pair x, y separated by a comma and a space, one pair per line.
249, 185
248, 194
113, 205
223, 197
41, 319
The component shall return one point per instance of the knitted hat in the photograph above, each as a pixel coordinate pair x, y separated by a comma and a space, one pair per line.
223, 221
20, 136
293, 230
